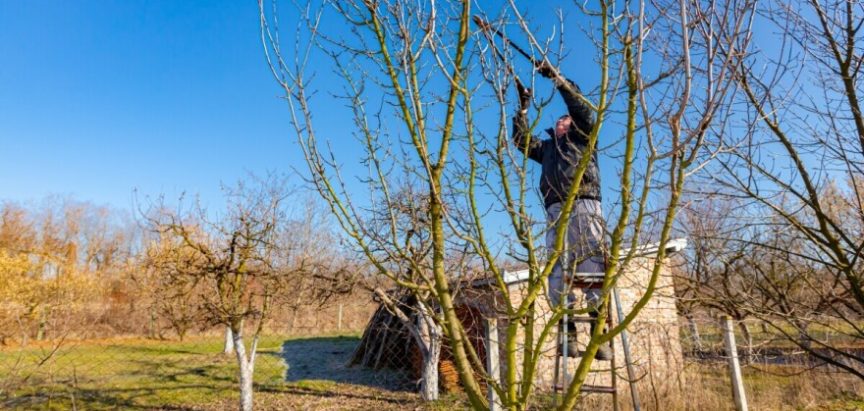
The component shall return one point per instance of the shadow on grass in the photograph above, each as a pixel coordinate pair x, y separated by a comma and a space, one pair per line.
168, 372
156, 383
147, 377
299, 390
326, 359
167, 349
95, 399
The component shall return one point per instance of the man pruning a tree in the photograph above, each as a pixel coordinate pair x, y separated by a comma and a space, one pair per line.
559, 156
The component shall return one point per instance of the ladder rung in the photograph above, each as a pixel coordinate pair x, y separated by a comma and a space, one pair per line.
600, 389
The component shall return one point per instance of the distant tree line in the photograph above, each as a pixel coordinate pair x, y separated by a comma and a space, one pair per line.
73, 270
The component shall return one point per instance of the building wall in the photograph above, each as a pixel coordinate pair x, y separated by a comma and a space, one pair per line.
654, 337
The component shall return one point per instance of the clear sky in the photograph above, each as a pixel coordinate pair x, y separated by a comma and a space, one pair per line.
98, 98
102, 98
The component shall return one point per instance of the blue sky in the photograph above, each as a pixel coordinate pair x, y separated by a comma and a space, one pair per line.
98, 98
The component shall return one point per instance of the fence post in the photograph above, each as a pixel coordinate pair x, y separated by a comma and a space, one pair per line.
734, 366
493, 367
339, 318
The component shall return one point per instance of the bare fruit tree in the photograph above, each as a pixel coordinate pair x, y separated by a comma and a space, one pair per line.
233, 268
430, 102
713, 281
796, 170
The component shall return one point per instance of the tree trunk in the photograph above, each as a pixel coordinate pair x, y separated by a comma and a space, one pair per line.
431, 350
229, 342
803, 336
25, 332
429, 383
293, 325
40, 331
151, 325
694, 333
748, 339
246, 368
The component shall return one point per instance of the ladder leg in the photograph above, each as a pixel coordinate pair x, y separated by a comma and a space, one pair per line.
564, 352
566, 282
555, 381
625, 346
612, 363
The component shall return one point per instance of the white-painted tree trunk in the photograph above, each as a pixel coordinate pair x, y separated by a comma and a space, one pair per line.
429, 383
428, 336
246, 366
430, 348
229, 342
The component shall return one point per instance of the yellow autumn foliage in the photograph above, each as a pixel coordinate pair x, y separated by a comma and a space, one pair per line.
33, 286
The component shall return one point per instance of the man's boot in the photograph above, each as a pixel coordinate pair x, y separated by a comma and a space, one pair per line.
603, 353
572, 350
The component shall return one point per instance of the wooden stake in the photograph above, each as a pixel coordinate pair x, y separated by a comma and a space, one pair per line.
339, 319
734, 366
493, 366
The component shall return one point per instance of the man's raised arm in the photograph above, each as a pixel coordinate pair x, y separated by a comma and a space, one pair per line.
580, 112
522, 138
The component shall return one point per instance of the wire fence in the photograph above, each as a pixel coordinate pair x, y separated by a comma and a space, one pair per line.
771, 343
85, 367
351, 347
776, 371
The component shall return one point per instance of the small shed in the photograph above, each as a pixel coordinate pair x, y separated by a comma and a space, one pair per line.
655, 346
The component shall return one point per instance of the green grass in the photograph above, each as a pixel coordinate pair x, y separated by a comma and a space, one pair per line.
194, 374
130, 374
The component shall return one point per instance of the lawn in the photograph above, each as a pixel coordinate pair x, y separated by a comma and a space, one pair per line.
193, 374
310, 373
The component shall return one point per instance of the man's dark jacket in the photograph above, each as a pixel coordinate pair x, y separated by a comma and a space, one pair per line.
560, 156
